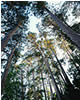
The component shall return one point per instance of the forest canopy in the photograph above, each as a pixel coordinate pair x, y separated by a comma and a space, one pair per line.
40, 50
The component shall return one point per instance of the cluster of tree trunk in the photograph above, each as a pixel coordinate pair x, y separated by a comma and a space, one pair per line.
75, 37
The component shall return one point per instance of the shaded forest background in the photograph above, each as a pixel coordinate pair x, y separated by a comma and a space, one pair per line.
44, 65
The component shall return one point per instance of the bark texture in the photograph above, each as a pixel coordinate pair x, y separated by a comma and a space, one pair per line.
10, 34
6, 70
75, 37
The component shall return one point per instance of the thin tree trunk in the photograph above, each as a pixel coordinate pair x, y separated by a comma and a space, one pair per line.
22, 94
6, 70
28, 81
59, 82
16, 90
49, 70
69, 54
69, 32
62, 84
71, 57
63, 72
10, 34
34, 86
53, 80
50, 88
43, 85
48, 98
60, 74
62, 78
33, 81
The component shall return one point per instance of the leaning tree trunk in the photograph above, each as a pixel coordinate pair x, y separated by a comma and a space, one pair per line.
6, 70
10, 34
63, 72
69, 32
71, 57
43, 85
22, 87
53, 80
49, 70
34, 91
50, 88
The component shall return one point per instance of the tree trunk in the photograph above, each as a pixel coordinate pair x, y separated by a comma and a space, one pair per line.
28, 81
22, 94
62, 78
50, 72
69, 32
63, 72
10, 34
50, 88
43, 85
53, 80
70, 56
34, 91
16, 91
6, 70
